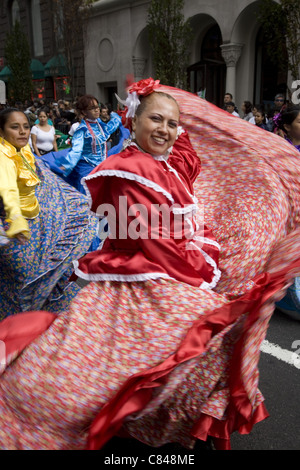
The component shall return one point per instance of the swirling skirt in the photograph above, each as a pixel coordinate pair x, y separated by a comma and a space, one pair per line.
35, 275
161, 360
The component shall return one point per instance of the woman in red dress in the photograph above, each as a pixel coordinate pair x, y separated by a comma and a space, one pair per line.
157, 345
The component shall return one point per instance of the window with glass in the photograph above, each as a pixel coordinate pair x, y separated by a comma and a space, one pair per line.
38, 48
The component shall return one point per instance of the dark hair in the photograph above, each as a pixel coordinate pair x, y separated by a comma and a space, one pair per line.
84, 102
104, 106
248, 107
43, 109
287, 116
229, 94
144, 99
230, 103
5, 113
109, 107
261, 109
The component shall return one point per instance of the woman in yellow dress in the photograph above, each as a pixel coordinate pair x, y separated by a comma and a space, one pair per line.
48, 222
9, 192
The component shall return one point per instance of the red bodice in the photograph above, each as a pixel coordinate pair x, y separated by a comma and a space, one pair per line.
150, 208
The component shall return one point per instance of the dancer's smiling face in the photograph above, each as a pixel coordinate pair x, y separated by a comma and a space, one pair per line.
156, 125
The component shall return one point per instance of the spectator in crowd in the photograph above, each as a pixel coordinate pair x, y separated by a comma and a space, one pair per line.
228, 98
31, 113
63, 117
247, 110
279, 105
230, 108
43, 134
105, 112
261, 119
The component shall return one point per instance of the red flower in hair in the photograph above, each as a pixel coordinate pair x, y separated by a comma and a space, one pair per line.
144, 87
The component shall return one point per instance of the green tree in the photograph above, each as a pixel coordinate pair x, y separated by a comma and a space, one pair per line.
170, 37
281, 27
18, 58
70, 21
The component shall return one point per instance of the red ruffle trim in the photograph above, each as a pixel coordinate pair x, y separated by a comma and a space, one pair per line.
19, 331
137, 391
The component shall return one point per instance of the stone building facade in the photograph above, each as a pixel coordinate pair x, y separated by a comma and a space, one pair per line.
227, 52
49, 71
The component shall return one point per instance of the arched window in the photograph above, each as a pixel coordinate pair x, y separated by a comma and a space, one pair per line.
38, 48
211, 51
207, 77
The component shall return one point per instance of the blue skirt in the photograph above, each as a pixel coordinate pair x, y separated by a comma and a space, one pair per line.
36, 275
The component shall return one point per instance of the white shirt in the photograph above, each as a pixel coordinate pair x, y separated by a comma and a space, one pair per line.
44, 139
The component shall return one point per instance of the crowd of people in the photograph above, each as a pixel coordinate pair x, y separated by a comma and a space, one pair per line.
63, 116
257, 114
154, 332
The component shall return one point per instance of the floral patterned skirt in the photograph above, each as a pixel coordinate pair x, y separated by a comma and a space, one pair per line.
35, 276
160, 360
52, 393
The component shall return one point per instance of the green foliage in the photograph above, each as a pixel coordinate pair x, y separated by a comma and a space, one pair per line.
18, 58
170, 38
281, 27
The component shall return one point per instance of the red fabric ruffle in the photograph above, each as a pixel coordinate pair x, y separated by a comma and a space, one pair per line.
241, 416
18, 331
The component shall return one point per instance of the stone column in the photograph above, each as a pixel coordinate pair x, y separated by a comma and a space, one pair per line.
231, 53
139, 65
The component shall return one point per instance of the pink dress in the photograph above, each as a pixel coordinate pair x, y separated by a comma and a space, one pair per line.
170, 355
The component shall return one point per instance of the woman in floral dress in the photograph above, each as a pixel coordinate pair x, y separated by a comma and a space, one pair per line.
163, 343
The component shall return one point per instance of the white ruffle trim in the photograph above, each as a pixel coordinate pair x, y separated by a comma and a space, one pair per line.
216, 272
130, 176
186, 209
139, 277
207, 241
146, 182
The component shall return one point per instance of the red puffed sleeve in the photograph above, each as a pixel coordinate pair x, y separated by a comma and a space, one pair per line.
185, 159
139, 242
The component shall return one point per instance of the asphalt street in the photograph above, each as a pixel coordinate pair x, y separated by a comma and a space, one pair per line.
280, 385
